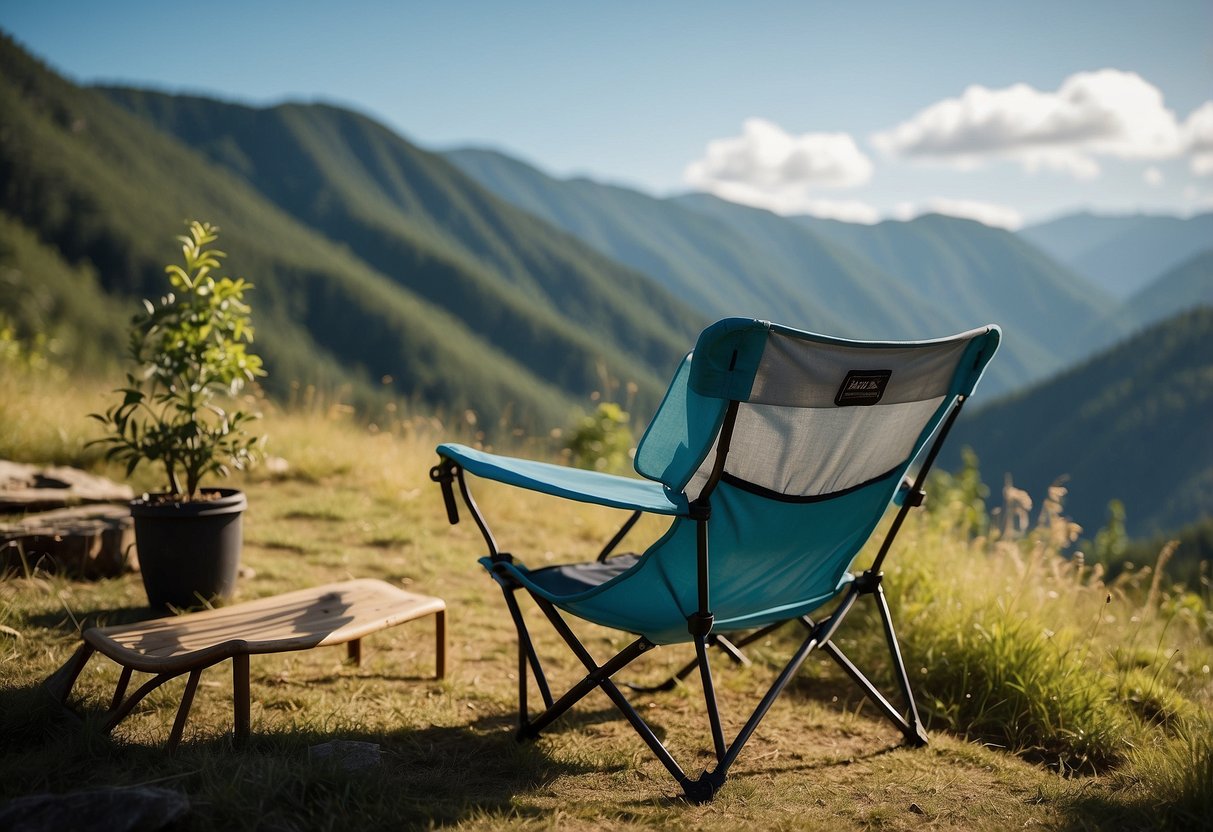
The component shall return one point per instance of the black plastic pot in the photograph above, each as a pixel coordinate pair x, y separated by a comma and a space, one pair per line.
189, 553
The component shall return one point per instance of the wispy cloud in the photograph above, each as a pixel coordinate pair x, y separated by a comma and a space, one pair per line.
1092, 114
770, 168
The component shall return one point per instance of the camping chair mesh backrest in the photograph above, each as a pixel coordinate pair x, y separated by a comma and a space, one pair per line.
823, 432
796, 435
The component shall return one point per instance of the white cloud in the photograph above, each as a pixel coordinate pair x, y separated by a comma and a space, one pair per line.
768, 167
998, 216
1076, 164
848, 210
1104, 113
1198, 136
1152, 176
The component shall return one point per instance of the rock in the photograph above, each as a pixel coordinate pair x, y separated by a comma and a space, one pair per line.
349, 754
33, 488
138, 809
95, 541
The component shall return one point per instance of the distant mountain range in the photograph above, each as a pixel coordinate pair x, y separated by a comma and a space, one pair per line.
1122, 254
929, 277
470, 280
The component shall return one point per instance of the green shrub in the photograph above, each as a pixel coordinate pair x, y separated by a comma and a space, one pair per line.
602, 440
190, 352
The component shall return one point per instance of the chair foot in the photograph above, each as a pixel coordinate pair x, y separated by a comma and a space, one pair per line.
916, 737
705, 788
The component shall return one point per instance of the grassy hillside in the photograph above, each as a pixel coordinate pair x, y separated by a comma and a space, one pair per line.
1131, 423
539, 296
1025, 666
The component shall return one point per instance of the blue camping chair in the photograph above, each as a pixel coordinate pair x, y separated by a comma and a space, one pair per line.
776, 452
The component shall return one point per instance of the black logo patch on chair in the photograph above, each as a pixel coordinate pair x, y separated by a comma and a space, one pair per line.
862, 388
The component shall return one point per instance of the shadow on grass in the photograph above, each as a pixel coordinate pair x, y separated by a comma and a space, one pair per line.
100, 617
1093, 811
430, 776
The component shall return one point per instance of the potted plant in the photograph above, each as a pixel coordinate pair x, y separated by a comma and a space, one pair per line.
191, 358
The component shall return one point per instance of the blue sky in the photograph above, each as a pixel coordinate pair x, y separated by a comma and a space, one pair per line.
1010, 112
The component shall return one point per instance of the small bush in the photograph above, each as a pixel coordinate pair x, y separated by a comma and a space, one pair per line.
602, 440
190, 355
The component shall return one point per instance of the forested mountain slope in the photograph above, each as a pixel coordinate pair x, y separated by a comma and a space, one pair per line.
541, 297
107, 192
1132, 423
799, 279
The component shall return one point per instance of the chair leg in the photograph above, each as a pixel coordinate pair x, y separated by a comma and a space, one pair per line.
917, 735
910, 727
527, 658
60, 683
870, 690
709, 696
240, 698
183, 710
600, 676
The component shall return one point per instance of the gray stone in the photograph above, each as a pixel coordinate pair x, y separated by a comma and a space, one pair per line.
138, 809
351, 755
38, 488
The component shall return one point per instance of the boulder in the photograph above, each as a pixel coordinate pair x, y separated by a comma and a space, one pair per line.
138, 809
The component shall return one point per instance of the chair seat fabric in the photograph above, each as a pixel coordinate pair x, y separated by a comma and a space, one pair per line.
575, 578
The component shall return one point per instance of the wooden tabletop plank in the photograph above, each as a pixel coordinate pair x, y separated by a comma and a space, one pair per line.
319, 616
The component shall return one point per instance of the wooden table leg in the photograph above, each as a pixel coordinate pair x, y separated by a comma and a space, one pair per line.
120, 691
183, 712
440, 637
240, 697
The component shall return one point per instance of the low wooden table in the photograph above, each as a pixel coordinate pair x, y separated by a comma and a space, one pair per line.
340, 613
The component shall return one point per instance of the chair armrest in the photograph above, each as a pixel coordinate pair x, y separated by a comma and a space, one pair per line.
570, 483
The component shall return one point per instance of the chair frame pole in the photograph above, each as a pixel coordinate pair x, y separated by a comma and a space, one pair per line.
917, 494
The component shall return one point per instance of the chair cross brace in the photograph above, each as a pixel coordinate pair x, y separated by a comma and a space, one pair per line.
601, 676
